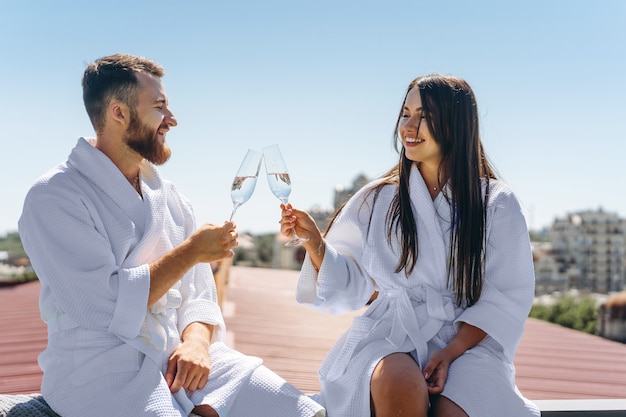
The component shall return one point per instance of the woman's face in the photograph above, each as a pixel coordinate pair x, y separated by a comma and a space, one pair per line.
419, 144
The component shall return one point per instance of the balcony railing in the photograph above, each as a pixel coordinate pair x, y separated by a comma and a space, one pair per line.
583, 408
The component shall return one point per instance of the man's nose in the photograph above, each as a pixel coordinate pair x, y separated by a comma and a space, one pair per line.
170, 119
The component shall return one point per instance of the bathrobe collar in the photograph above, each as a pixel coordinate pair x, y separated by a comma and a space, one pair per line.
102, 173
427, 214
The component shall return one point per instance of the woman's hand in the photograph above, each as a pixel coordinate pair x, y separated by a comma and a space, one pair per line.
300, 221
304, 225
436, 371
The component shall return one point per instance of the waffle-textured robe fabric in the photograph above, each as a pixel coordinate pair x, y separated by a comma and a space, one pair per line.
90, 238
418, 314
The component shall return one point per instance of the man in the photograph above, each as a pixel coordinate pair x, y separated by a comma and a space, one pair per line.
127, 292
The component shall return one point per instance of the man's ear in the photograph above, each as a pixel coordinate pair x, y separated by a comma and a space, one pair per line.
118, 112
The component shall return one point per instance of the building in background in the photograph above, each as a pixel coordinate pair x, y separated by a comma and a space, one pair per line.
589, 249
612, 318
343, 194
548, 277
585, 252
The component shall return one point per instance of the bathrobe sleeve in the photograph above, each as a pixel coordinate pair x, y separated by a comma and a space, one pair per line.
72, 254
508, 287
341, 284
198, 291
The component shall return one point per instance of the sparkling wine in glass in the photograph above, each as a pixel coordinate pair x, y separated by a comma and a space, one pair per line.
279, 182
245, 179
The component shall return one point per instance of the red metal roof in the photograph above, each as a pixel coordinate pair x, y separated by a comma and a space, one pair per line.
22, 337
264, 320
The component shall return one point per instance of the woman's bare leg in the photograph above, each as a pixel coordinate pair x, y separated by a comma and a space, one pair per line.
205, 411
398, 388
444, 407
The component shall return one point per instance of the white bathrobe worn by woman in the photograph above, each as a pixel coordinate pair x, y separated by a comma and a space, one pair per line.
90, 238
418, 313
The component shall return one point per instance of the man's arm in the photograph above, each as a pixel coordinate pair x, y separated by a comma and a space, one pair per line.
208, 243
190, 364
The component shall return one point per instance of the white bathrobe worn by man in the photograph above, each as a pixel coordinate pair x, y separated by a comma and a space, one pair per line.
90, 237
417, 313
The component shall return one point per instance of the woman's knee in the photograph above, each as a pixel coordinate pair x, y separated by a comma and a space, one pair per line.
398, 379
397, 369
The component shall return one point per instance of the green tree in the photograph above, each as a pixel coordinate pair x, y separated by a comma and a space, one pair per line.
540, 311
578, 314
588, 311
265, 247
12, 243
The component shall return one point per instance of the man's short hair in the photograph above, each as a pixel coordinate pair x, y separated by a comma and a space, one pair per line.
114, 77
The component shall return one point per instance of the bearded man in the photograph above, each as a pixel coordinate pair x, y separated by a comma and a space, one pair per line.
127, 292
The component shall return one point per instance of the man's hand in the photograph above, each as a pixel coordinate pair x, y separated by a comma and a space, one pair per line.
190, 364
211, 242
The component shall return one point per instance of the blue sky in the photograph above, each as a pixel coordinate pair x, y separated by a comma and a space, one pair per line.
325, 81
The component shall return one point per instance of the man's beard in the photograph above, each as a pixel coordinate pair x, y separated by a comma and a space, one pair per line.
141, 139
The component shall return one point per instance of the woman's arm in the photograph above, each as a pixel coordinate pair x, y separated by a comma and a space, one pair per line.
332, 278
436, 369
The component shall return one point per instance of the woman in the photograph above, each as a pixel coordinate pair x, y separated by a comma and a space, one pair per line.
442, 248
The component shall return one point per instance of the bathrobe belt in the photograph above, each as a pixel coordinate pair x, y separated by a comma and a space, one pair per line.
419, 323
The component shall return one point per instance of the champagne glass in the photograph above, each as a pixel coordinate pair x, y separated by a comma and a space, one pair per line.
279, 182
245, 179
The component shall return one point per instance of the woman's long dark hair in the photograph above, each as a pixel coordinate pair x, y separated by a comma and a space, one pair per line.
451, 114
